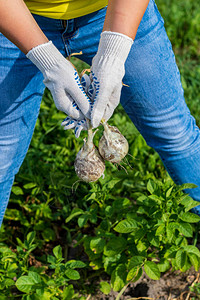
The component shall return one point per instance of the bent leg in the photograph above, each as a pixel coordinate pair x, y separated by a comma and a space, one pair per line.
155, 102
21, 90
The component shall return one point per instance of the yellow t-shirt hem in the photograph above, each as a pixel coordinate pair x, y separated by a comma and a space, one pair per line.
67, 14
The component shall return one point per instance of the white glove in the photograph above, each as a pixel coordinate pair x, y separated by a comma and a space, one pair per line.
70, 123
107, 72
62, 79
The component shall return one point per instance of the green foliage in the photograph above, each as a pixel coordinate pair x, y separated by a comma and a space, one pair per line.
59, 234
37, 282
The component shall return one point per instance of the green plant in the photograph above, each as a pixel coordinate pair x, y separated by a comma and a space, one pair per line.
37, 282
121, 226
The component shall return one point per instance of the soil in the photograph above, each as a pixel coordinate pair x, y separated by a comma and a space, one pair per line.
172, 285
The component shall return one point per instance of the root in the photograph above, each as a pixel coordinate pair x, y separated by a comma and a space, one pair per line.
123, 168
132, 156
74, 190
84, 71
75, 54
127, 162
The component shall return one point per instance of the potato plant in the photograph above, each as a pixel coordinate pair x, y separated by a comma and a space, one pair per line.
63, 239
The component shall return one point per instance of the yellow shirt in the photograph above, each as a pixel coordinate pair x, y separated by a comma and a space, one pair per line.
64, 9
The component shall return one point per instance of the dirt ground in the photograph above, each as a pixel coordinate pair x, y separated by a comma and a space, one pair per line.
170, 286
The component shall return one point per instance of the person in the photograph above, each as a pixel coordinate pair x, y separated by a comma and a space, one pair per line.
121, 40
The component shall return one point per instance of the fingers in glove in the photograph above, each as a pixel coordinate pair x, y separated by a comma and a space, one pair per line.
66, 103
69, 123
102, 98
81, 125
113, 103
85, 82
80, 97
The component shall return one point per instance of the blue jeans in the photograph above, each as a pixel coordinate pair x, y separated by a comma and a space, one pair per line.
154, 99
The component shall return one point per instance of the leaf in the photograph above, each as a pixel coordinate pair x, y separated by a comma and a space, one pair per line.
181, 258
118, 278
134, 274
135, 261
72, 274
155, 198
187, 186
48, 234
192, 249
57, 251
140, 233
17, 190
115, 246
82, 220
110, 185
75, 212
97, 244
28, 283
126, 226
152, 270
137, 275
171, 252
185, 229
188, 203
29, 185
73, 264
170, 233
195, 261
7, 283
51, 259
163, 265
151, 186
31, 237
153, 239
68, 292
119, 204
105, 287
189, 217
168, 193
160, 230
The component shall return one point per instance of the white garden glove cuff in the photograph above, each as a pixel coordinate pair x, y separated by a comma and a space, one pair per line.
107, 72
114, 44
62, 79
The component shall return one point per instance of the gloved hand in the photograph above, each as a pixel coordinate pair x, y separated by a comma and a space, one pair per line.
62, 79
107, 72
70, 123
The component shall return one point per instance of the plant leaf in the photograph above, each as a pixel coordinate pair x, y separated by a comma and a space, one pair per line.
181, 258
105, 287
152, 270
75, 212
126, 226
28, 283
57, 251
192, 249
189, 217
97, 244
195, 261
72, 274
185, 229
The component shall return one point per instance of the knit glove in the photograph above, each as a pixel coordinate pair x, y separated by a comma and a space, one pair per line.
107, 72
70, 123
62, 79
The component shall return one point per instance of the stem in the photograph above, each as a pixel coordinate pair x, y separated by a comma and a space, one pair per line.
90, 139
196, 235
122, 291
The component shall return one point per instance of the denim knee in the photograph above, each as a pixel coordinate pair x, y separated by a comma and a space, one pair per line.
175, 133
